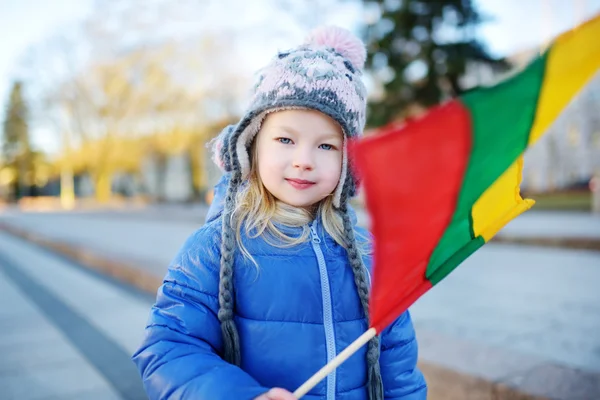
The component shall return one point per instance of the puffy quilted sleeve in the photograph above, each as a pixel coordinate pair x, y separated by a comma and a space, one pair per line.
399, 353
179, 357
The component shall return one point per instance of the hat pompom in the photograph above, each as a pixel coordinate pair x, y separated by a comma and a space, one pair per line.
343, 41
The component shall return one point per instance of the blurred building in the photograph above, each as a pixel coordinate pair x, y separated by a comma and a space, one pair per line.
170, 183
569, 154
167, 180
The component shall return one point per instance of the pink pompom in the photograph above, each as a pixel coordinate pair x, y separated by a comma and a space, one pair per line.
343, 41
216, 145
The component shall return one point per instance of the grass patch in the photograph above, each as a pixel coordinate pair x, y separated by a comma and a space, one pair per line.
564, 201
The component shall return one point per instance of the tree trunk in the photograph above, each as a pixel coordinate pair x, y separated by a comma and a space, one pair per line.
102, 183
67, 188
196, 170
161, 161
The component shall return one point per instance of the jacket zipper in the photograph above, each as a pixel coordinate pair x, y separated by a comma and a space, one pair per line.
327, 309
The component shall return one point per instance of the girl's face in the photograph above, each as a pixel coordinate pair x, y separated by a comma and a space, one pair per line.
299, 156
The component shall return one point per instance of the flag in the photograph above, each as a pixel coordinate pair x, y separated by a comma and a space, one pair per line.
440, 187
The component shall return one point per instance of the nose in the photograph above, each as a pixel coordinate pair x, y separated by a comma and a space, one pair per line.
303, 159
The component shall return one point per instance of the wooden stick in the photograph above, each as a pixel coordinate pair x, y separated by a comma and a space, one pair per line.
336, 362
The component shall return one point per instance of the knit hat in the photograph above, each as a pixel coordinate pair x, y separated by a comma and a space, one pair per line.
323, 74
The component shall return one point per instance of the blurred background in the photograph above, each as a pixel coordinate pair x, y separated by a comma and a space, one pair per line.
107, 108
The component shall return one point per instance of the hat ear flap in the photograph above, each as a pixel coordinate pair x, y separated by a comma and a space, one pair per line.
219, 147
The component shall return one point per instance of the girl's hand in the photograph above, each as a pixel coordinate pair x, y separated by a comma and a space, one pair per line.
276, 394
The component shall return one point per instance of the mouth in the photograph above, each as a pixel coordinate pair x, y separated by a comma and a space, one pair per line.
300, 183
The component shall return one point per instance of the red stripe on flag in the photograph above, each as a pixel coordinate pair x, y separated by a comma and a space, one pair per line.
412, 176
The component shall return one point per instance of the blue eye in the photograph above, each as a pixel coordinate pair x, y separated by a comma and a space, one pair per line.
284, 140
326, 147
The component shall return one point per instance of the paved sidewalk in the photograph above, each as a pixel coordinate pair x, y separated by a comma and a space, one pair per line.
65, 333
510, 316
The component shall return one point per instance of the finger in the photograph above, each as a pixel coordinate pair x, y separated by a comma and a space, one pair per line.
280, 394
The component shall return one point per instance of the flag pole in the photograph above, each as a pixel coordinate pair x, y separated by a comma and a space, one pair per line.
336, 362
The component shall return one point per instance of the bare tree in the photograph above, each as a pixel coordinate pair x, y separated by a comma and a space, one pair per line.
118, 89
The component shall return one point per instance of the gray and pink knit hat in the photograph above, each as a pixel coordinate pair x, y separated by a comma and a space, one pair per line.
323, 74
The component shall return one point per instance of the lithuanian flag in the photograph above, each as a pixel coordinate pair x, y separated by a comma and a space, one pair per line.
439, 188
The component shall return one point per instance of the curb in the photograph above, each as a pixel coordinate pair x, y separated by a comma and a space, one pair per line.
574, 243
128, 273
570, 243
443, 383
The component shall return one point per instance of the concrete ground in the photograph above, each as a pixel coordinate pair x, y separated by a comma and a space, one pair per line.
525, 318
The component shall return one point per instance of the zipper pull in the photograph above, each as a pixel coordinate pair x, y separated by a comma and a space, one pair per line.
313, 233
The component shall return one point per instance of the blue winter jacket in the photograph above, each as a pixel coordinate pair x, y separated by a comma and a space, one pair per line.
294, 314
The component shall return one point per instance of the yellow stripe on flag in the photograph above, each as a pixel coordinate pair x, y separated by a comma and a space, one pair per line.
500, 203
573, 60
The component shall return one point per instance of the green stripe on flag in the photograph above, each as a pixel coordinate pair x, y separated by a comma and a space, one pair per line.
501, 118
455, 260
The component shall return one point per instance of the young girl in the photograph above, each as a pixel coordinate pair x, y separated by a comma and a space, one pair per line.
276, 283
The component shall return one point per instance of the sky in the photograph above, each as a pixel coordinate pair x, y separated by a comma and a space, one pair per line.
26, 22
522, 24
515, 25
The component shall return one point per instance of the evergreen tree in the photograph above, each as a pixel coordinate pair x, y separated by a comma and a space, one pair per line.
433, 39
16, 149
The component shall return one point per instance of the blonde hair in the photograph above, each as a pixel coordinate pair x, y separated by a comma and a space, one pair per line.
255, 201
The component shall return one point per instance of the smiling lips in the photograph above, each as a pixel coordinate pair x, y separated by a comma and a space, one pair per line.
300, 183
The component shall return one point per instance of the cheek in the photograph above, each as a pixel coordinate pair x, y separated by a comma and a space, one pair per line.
333, 168
268, 160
